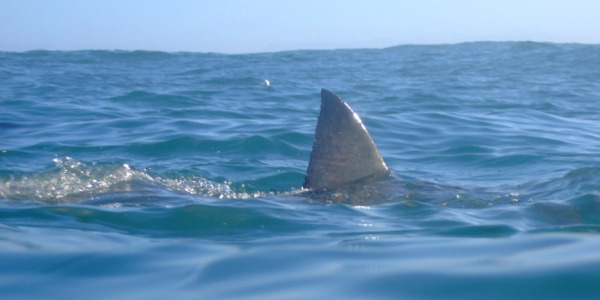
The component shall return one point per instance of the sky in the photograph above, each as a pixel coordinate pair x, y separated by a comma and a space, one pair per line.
237, 26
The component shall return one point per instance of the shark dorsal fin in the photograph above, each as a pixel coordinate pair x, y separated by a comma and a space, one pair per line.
343, 151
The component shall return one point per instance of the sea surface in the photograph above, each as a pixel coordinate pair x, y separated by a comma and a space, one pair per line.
152, 175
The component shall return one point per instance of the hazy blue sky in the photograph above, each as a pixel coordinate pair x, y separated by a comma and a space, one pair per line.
232, 26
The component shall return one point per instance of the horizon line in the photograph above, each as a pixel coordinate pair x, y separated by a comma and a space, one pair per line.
299, 49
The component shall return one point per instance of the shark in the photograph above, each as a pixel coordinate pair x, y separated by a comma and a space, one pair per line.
345, 165
343, 150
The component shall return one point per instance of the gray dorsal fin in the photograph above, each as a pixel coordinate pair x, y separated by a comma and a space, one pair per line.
343, 151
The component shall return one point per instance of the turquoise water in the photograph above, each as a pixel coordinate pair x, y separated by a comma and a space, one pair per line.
146, 175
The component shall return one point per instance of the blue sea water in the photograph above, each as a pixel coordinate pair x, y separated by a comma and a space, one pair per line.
147, 175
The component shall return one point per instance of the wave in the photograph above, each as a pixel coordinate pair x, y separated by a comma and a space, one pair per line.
72, 181
140, 202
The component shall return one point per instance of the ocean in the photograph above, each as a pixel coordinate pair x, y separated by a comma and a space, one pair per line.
147, 175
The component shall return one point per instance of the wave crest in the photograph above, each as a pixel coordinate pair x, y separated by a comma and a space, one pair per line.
73, 181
